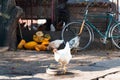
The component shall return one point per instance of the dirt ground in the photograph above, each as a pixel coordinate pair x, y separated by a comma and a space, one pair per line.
27, 62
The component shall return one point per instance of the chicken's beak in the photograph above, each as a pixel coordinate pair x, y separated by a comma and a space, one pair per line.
54, 50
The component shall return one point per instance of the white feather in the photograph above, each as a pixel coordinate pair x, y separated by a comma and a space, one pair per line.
63, 55
74, 42
55, 44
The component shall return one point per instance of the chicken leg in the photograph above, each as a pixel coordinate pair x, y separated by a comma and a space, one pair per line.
65, 69
61, 65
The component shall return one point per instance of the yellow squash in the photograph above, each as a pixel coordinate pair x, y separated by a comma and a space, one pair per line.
40, 47
30, 45
45, 42
37, 48
47, 36
39, 33
21, 44
37, 39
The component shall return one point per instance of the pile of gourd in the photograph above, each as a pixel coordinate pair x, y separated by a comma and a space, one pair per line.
39, 43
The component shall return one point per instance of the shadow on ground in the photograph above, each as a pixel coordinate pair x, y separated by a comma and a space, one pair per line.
99, 66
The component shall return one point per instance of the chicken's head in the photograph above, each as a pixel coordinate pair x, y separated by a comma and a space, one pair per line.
54, 50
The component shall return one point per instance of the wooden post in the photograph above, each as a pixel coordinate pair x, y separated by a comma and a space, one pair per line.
52, 11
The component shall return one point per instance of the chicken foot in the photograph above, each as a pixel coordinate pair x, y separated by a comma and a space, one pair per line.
65, 69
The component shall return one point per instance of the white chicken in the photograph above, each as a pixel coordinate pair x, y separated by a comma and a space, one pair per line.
63, 56
54, 44
74, 42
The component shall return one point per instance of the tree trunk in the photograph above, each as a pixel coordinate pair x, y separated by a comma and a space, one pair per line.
8, 23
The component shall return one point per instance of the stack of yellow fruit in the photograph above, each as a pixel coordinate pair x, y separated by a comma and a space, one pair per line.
39, 43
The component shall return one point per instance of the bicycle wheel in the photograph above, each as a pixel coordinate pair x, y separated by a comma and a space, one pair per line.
71, 30
115, 35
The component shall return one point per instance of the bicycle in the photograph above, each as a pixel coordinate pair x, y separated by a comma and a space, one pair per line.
84, 29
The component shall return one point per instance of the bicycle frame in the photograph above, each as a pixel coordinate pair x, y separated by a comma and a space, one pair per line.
111, 19
84, 30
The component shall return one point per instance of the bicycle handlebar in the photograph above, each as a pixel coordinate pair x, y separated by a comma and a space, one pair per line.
86, 9
90, 4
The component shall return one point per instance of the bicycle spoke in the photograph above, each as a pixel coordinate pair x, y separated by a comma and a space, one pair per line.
116, 35
72, 29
